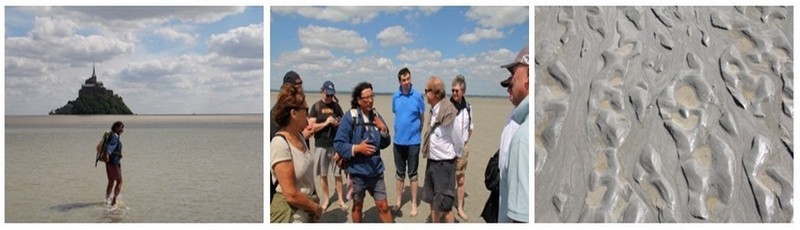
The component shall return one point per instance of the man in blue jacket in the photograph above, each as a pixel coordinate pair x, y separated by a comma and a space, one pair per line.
361, 136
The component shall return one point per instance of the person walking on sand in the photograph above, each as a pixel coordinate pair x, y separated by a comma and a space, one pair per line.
514, 168
292, 162
464, 126
409, 116
361, 136
113, 160
324, 116
441, 145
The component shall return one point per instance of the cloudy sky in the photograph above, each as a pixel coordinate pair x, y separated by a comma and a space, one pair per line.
161, 60
351, 44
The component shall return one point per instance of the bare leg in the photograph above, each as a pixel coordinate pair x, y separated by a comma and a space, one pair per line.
110, 176
449, 217
399, 201
350, 188
340, 191
383, 211
414, 187
357, 211
117, 174
323, 182
460, 194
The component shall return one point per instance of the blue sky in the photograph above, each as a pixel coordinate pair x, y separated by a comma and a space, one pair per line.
160, 59
351, 44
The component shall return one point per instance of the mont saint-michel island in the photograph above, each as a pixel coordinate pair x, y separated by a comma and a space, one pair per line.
94, 98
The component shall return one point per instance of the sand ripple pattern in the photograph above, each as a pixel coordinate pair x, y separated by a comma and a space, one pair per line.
663, 114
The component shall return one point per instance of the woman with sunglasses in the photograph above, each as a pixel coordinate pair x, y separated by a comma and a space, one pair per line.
292, 162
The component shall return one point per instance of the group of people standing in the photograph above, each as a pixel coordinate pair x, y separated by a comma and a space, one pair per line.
349, 142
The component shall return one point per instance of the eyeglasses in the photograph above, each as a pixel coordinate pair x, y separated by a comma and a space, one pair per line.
456, 91
428, 90
370, 97
327, 96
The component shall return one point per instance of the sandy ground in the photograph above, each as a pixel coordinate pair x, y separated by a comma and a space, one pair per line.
663, 114
490, 115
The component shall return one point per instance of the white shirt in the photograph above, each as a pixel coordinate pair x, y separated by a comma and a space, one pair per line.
463, 124
444, 141
505, 143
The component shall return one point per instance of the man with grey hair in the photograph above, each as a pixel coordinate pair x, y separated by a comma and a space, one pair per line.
513, 163
440, 144
464, 126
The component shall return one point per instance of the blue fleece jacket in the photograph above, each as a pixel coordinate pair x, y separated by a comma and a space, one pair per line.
358, 164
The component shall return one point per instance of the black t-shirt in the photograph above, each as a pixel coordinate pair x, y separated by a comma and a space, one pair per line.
321, 111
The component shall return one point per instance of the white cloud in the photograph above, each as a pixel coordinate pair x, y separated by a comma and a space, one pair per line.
429, 10
74, 50
139, 14
164, 73
332, 38
310, 61
174, 35
232, 64
46, 28
305, 55
50, 52
498, 16
418, 55
352, 14
24, 67
242, 42
371, 66
479, 34
394, 35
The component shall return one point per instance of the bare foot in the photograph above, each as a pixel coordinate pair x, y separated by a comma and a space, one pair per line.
413, 212
343, 206
463, 215
324, 205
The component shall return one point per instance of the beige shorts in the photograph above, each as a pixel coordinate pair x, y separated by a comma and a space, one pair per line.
461, 162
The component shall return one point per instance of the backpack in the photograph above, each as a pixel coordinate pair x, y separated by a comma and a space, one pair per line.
341, 162
492, 182
354, 114
101, 147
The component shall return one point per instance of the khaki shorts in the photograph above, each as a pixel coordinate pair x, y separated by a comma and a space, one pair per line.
461, 162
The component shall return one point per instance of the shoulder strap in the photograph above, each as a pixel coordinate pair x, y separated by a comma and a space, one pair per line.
469, 112
354, 115
289, 146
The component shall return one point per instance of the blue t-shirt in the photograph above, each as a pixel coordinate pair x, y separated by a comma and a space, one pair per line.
407, 109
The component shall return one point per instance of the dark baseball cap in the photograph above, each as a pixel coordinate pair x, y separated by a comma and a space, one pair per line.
507, 82
522, 58
292, 77
328, 88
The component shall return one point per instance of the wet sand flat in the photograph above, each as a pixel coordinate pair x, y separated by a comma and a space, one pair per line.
664, 114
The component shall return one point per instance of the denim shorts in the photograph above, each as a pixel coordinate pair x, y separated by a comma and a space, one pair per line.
406, 155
